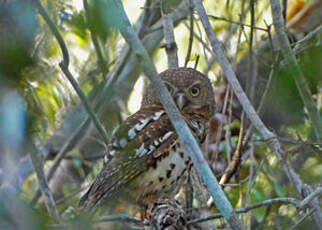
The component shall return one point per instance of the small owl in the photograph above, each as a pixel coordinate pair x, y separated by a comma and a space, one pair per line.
148, 161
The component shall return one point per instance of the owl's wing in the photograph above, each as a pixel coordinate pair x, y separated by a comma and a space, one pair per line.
136, 146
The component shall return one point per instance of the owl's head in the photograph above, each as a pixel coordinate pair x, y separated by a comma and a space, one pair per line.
190, 89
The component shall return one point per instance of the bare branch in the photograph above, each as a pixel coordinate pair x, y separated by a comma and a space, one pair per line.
251, 207
308, 199
237, 23
309, 213
72, 140
42, 182
101, 55
170, 42
299, 45
190, 35
120, 217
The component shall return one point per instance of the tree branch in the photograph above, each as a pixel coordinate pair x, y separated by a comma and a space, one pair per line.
251, 207
190, 35
101, 55
309, 213
236, 23
170, 42
312, 195
42, 183
76, 136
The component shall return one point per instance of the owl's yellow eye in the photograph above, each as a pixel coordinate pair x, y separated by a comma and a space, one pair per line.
195, 90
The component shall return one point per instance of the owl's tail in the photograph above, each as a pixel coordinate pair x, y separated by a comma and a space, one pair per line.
103, 186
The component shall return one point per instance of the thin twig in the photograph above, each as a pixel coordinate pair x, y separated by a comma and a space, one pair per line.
254, 177
101, 55
176, 118
122, 218
303, 218
76, 136
231, 169
228, 131
252, 66
299, 44
170, 43
308, 199
237, 23
260, 108
71, 195
197, 61
199, 38
219, 130
99, 126
42, 183
290, 200
190, 35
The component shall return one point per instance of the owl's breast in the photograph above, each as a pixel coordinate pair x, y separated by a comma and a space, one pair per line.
165, 178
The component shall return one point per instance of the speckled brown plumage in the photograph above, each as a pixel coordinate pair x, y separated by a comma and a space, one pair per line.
148, 160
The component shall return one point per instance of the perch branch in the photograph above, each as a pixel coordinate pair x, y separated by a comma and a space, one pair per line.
166, 214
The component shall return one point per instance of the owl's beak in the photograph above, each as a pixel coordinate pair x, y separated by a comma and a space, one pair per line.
181, 101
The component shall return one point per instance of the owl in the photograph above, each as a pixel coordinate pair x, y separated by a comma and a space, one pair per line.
148, 161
